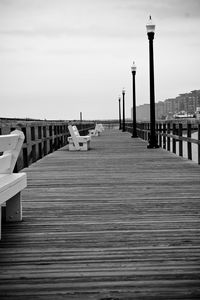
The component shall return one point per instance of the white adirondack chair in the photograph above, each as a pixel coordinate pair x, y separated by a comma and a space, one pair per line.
76, 141
97, 130
11, 183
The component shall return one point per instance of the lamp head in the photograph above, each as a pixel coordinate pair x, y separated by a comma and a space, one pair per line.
150, 26
133, 68
123, 91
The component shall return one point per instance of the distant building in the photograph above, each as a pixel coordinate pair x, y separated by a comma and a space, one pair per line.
159, 110
187, 102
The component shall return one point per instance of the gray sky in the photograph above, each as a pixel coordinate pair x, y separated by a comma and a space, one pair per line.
62, 57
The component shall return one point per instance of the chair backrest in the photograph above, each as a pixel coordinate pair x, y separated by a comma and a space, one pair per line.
76, 132
100, 127
10, 145
96, 127
74, 135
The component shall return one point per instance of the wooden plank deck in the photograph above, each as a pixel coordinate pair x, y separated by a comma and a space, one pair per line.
117, 222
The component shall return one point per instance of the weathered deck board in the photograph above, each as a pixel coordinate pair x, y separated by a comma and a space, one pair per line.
117, 222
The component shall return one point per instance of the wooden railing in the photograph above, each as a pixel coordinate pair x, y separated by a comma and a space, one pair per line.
41, 138
171, 135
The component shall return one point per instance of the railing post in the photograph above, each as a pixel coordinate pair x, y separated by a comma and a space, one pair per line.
39, 141
164, 136
145, 132
173, 139
141, 128
189, 146
24, 148
168, 138
142, 131
28, 132
120, 122
33, 148
180, 133
44, 134
139, 131
160, 135
148, 133
50, 139
199, 144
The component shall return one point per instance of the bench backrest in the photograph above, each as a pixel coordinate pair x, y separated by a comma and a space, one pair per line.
99, 127
74, 135
10, 145
96, 127
76, 132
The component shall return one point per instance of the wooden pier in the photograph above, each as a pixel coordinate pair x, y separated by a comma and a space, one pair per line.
117, 222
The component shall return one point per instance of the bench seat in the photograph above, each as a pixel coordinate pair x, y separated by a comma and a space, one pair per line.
11, 184
81, 139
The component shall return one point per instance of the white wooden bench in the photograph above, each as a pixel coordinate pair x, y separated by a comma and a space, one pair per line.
97, 130
76, 141
11, 183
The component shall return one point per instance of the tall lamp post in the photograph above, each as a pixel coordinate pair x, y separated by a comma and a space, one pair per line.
123, 121
150, 32
134, 130
120, 123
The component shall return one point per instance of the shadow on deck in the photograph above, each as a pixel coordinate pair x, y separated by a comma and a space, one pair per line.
117, 222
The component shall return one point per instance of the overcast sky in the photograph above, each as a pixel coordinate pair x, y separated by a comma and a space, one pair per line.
62, 57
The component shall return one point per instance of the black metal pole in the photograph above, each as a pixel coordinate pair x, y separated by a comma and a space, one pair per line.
152, 140
134, 130
120, 123
123, 122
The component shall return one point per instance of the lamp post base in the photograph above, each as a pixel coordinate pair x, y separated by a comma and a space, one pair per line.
150, 146
134, 135
153, 143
